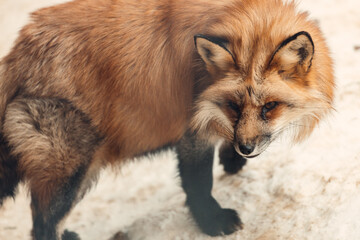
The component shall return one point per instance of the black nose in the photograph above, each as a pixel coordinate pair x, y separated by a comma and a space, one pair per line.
246, 149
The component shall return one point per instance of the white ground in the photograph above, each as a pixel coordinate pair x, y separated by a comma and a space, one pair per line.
311, 191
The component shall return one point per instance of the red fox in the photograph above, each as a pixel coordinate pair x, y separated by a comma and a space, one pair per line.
90, 83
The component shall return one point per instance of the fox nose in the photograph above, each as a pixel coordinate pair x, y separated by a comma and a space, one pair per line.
246, 149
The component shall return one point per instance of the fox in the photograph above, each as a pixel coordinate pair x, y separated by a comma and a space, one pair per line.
94, 83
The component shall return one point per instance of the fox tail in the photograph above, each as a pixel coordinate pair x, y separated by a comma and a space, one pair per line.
9, 177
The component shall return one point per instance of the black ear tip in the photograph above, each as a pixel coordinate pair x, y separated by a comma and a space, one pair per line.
295, 36
213, 41
307, 35
196, 36
292, 38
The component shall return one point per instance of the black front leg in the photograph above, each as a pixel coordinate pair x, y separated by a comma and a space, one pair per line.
230, 159
195, 166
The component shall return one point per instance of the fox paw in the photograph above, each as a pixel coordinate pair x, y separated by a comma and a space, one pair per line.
67, 235
214, 220
231, 160
226, 221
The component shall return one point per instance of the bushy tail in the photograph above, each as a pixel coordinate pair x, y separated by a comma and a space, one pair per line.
9, 86
9, 177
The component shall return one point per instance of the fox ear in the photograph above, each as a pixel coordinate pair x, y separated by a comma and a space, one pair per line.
294, 55
214, 52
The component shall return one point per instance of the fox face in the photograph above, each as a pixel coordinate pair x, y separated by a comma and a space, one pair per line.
253, 100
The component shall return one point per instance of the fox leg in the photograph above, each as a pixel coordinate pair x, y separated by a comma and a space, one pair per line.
49, 214
195, 167
230, 159
55, 145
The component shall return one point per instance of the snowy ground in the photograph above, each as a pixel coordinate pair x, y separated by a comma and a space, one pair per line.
310, 191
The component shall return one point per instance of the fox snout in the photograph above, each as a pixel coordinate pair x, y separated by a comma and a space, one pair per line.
250, 148
246, 149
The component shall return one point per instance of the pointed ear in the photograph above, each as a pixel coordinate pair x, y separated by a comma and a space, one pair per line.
294, 55
215, 53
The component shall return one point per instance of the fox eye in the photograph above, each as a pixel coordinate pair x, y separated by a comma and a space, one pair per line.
267, 108
270, 106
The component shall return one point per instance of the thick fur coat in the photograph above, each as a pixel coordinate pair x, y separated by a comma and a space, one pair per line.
91, 83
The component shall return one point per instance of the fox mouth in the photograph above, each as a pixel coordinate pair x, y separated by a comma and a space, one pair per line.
251, 156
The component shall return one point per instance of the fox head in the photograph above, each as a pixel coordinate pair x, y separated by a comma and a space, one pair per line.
261, 87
